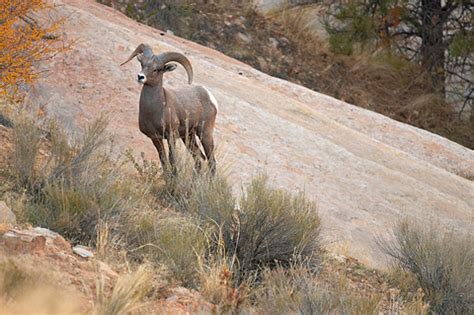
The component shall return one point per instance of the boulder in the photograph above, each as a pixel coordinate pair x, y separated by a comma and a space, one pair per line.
82, 251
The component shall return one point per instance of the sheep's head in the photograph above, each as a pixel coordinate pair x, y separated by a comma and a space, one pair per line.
153, 66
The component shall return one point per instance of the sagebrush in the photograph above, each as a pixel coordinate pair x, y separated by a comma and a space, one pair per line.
442, 262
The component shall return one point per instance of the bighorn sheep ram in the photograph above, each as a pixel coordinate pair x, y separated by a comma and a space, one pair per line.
166, 113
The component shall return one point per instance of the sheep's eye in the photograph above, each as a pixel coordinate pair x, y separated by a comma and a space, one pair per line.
156, 70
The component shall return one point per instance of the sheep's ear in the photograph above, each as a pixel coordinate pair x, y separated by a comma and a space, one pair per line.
170, 67
142, 58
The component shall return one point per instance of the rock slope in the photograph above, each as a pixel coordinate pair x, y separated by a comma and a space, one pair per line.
364, 170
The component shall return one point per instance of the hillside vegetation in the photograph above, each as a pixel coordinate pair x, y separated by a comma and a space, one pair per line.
263, 256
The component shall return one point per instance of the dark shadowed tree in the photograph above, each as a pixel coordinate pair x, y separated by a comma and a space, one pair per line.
436, 34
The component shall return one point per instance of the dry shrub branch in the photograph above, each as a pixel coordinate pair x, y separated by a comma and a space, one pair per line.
25, 39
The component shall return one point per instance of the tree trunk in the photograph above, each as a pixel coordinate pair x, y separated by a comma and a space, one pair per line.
471, 116
432, 44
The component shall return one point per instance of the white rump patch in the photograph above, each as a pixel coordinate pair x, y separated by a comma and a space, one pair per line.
213, 99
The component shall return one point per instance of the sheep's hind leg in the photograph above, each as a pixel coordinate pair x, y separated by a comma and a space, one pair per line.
208, 145
161, 153
193, 147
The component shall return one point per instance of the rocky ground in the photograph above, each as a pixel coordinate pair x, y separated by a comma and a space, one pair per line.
78, 272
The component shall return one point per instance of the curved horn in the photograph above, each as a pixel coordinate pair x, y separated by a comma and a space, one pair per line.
181, 59
141, 49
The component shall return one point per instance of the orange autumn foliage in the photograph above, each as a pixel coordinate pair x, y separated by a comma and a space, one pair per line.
24, 41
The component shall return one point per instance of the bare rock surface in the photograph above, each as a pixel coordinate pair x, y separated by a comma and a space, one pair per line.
363, 169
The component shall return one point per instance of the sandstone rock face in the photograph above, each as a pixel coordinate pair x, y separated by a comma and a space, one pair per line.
364, 170
36, 240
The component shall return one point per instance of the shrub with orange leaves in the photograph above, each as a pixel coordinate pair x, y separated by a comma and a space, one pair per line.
24, 41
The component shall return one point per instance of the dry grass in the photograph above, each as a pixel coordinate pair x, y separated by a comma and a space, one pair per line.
296, 21
26, 142
104, 242
442, 262
297, 290
164, 238
127, 294
408, 298
177, 243
218, 286
163, 232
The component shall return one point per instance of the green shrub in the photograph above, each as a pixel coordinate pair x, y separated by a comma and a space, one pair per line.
357, 27
271, 228
442, 262
206, 198
173, 15
179, 244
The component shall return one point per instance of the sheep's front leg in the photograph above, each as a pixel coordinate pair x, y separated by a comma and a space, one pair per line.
161, 152
172, 151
